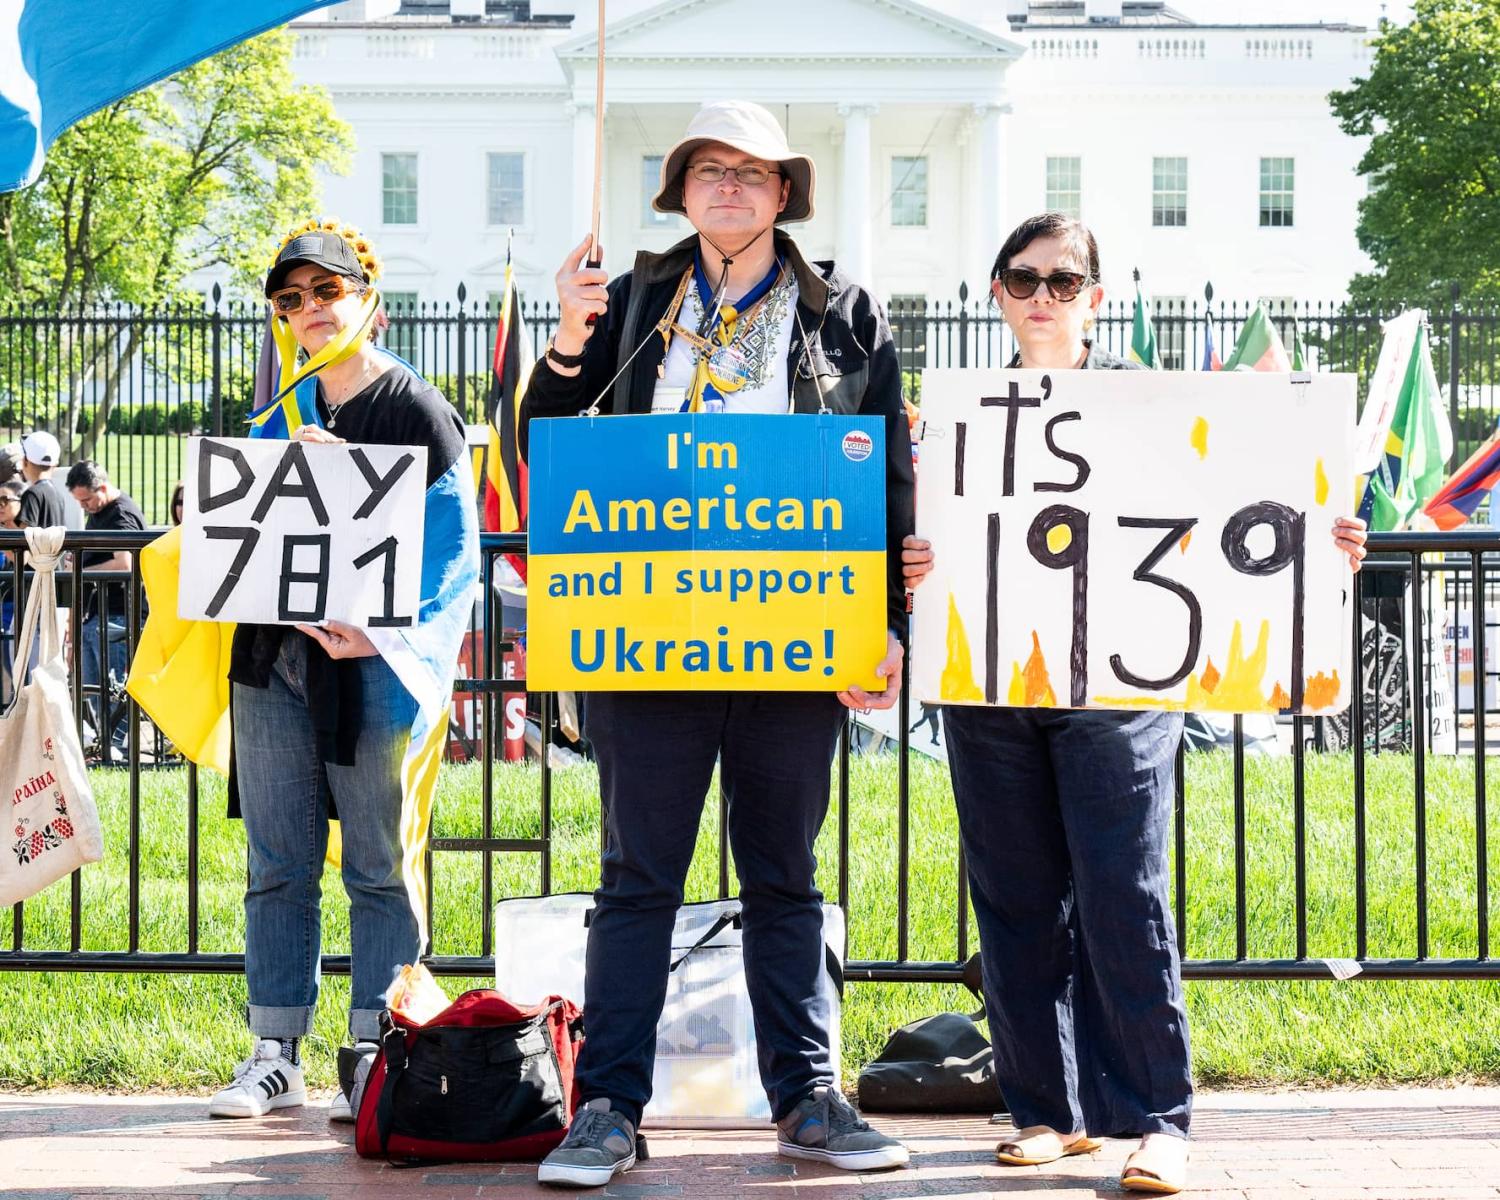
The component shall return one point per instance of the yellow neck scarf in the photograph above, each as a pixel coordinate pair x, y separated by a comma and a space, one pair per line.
350, 338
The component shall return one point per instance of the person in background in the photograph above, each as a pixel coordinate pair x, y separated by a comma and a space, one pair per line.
10, 463
176, 505
107, 508
42, 506
10, 505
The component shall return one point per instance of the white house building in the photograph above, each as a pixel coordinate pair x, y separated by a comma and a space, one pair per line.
1196, 151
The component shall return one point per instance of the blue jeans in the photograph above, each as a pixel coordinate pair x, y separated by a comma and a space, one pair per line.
656, 753
1065, 818
110, 732
284, 795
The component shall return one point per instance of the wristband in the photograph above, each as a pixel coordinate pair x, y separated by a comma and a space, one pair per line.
563, 360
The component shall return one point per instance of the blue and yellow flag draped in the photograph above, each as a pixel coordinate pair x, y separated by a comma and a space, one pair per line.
180, 673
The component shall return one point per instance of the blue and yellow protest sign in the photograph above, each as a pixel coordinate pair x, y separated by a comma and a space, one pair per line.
706, 552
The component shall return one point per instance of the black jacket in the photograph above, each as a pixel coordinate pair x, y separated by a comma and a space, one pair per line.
851, 364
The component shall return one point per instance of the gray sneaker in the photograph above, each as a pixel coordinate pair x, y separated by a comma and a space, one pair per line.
600, 1144
826, 1128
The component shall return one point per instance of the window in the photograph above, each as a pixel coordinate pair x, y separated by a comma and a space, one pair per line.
1065, 186
404, 335
398, 189
650, 183
1276, 188
1169, 316
909, 191
505, 192
1169, 191
908, 317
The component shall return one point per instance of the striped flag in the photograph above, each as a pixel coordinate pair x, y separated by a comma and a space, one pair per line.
1259, 346
1211, 359
1142, 333
1418, 437
505, 472
1466, 489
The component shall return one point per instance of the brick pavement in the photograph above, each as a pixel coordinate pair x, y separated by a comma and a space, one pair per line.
1370, 1145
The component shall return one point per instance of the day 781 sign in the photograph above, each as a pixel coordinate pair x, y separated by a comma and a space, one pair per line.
281, 533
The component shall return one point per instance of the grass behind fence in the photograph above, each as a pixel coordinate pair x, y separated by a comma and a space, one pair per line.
186, 1032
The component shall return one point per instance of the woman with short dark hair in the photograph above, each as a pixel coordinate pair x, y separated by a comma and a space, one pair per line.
1065, 819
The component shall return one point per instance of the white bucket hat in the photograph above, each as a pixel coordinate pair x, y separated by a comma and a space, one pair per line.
751, 130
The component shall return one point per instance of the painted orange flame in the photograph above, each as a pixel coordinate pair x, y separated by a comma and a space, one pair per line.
1029, 685
1322, 690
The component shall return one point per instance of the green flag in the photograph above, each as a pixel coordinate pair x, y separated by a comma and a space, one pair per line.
1258, 347
1142, 334
1420, 440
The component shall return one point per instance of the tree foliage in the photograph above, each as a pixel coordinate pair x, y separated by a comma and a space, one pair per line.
208, 169
1430, 108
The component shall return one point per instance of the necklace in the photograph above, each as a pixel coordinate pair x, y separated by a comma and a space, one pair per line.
354, 390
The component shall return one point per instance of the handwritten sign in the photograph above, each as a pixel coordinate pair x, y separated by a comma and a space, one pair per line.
1134, 539
718, 552
279, 533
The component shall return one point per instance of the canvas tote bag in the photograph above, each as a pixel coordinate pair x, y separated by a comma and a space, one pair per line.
51, 825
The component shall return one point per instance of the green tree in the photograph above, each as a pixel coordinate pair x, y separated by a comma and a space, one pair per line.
1431, 109
207, 169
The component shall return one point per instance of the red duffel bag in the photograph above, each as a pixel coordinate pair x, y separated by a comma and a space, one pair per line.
483, 1081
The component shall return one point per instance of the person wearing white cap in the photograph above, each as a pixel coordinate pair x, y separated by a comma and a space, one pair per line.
732, 319
44, 504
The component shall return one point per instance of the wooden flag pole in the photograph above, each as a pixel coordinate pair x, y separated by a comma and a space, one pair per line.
595, 259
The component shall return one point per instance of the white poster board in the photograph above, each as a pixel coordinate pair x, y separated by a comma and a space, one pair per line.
280, 533
1134, 539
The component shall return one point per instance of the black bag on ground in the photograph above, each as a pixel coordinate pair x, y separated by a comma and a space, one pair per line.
940, 1064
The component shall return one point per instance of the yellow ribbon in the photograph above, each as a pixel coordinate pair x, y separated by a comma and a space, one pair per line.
347, 344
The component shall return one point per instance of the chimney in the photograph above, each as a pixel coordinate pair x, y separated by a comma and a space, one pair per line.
1104, 12
554, 10
466, 10
1016, 11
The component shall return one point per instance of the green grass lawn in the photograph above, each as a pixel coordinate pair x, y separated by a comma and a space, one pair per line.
186, 1032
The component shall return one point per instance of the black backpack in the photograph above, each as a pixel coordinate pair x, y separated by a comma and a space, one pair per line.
939, 1064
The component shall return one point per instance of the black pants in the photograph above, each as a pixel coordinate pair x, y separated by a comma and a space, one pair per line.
1064, 818
656, 753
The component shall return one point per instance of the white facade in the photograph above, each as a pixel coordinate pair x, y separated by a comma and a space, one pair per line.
879, 92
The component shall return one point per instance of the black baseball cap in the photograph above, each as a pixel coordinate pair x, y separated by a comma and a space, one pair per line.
318, 249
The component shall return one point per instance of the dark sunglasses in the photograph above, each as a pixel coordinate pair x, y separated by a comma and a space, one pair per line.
290, 300
1061, 285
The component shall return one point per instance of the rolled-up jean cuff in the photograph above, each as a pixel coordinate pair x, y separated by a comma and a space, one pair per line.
364, 1024
279, 1022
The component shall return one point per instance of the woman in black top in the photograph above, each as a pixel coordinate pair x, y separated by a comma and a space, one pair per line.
322, 723
1064, 816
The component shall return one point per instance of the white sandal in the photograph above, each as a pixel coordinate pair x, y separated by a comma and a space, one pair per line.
1159, 1165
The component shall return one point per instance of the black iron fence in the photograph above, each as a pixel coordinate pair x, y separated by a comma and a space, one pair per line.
1408, 578
126, 386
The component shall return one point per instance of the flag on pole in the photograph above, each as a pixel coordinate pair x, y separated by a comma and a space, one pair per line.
61, 60
1417, 445
1299, 351
505, 472
1142, 333
1457, 500
1259, 346
1211, 359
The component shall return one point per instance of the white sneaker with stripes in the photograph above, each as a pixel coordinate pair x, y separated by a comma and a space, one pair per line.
262, 1082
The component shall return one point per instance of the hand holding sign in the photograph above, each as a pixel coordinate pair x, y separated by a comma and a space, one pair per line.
303, 533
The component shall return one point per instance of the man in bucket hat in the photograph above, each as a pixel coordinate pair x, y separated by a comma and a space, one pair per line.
732, 319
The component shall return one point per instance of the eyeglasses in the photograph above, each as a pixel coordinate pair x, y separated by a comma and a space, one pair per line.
16, 500
290, 300
1061, 285
751, 174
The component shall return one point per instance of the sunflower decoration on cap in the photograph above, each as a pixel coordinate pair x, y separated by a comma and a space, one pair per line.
364, 253
341, 250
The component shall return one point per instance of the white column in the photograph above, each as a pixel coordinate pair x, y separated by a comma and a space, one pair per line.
855, 189
583, 172
990, 161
